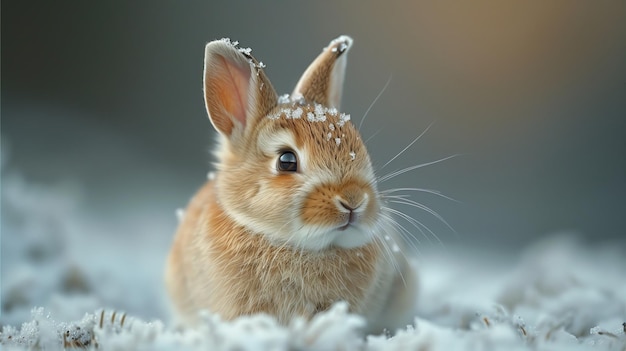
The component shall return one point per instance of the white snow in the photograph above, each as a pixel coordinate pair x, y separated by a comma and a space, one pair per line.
284, 99
230, 42
297, 113
352, 155
64, 276
344, 43
245, 51
180, 214
343, 118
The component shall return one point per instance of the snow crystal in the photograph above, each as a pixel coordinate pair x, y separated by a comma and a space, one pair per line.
284, 99
352, 155
337, 141
261, 65
341, 48
287, 112
595, 330
245, 51
180, 214
340, 44
297, 98
229, 42
320, 113
275, 115
297, 113
210, 175
343, 118
328, 136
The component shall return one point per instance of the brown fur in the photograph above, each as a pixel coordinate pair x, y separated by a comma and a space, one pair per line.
256, 276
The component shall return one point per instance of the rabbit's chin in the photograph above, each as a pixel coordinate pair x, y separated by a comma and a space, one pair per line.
351, 237
317, 239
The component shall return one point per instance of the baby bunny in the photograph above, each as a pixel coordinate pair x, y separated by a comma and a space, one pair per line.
292, 221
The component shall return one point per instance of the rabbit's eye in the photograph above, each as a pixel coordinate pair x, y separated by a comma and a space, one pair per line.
287, 162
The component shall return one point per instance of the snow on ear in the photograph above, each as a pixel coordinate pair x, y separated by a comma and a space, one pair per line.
322, 82
236, 91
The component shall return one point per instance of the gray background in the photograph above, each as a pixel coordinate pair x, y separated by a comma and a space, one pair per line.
105, 98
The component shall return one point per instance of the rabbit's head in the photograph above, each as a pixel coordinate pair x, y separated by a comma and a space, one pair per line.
292, 168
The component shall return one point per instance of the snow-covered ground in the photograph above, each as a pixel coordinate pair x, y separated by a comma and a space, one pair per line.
70, 277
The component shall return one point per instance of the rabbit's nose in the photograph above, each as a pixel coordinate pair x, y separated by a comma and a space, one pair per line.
352, 202
350, 206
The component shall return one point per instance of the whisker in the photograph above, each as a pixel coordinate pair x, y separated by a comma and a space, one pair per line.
382, 242
372, 136
376, 99
409, 237
423, 207
430, 191
405, 233
417, 224
408, 169
408, 146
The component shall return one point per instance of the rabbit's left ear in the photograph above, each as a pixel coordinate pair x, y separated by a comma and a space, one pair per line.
236, 91
322, 82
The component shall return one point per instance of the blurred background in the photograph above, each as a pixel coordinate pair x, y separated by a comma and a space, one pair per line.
102, 102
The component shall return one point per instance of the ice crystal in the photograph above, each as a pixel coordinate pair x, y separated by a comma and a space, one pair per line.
297, 113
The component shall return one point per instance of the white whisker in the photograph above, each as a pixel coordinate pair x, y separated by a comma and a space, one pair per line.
389, 253
405, 233
372, 136
430, 191
423, 207
374, 102
408, 169
417, 224
408, 146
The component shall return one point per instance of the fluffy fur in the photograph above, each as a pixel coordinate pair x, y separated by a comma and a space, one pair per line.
257, 239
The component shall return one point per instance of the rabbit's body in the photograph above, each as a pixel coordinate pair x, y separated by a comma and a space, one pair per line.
292, 221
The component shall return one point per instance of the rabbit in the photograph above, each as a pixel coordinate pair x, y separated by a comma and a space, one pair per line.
291, 222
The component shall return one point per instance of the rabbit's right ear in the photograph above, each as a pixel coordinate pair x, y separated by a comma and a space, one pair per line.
322, 82
236, 90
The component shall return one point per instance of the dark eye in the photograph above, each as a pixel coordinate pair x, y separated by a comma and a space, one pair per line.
287, 162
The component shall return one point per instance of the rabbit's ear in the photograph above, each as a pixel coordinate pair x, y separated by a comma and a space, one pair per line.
322, 82
236, 91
